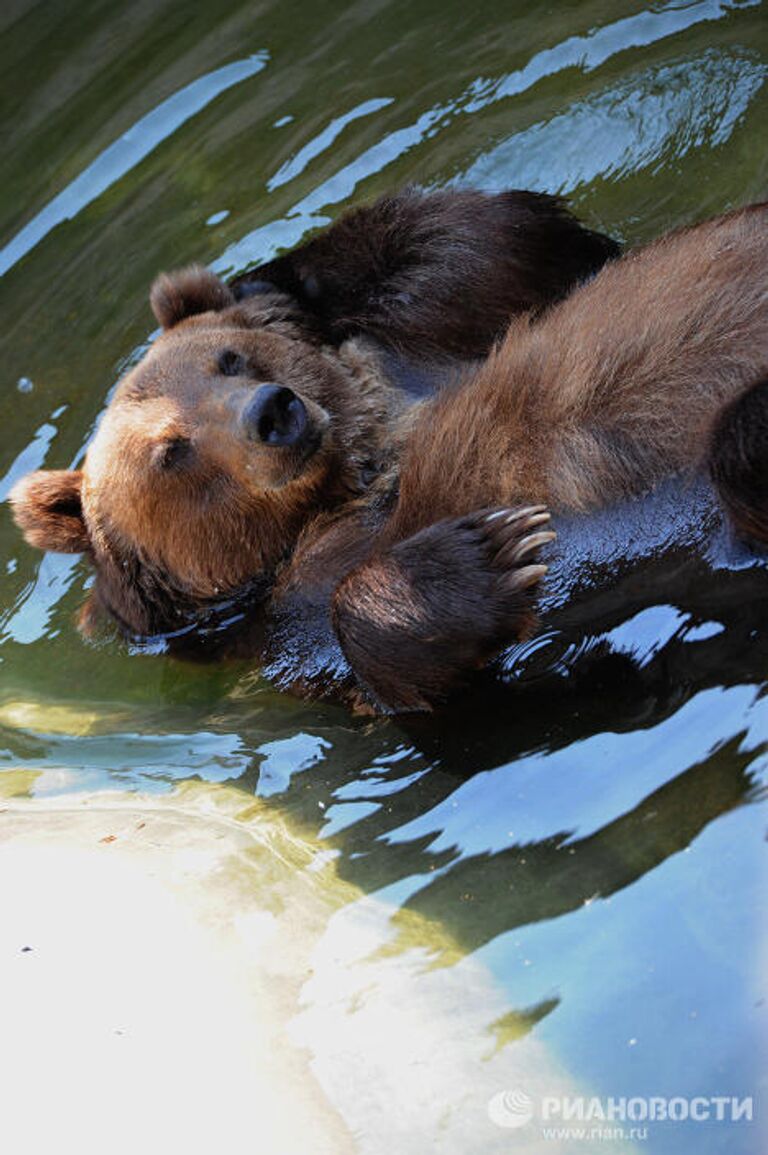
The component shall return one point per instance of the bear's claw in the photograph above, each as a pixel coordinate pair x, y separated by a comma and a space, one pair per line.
523, 579
508, 534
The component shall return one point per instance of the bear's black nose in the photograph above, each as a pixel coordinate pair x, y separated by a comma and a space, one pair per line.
275, 416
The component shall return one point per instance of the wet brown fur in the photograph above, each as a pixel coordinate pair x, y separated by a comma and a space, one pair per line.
738, 461
169, 530
617, 387
648, 370
438, 274
642, 372
180, 508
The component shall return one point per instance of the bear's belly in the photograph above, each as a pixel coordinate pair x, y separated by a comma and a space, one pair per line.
636, 576
594, 551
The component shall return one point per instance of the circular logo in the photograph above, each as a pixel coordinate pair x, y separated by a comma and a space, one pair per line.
510, 1109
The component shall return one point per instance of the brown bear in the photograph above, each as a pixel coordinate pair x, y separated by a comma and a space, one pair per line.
199, 512
242, 455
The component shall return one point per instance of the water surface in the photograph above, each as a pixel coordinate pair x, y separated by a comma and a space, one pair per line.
593, 843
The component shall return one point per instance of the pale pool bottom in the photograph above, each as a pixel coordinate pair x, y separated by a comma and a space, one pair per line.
199, 979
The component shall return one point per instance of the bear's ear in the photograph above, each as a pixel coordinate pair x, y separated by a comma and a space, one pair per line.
186, 292
47, 509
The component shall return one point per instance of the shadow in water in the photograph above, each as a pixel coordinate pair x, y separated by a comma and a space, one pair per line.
400, 777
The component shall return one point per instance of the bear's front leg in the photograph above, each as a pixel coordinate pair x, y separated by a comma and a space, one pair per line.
414, 621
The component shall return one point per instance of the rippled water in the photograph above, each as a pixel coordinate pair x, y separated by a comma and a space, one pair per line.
595, 842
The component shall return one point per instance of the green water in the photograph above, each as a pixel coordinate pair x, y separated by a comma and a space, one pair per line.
601, 853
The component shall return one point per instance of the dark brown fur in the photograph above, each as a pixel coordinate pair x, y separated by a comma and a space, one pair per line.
616, 388
738, 460
441, 273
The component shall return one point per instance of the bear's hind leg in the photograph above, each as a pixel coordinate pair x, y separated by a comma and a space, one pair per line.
738, 462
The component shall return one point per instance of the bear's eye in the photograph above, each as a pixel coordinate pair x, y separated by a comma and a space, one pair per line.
231, 364
173, 453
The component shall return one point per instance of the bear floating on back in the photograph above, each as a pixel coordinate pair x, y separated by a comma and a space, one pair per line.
257, 450
186, 495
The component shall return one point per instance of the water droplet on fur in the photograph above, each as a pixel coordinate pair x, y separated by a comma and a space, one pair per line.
24, 385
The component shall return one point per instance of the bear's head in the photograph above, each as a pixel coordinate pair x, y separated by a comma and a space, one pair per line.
214, 452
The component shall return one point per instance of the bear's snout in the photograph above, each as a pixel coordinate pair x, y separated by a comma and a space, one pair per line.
275, 416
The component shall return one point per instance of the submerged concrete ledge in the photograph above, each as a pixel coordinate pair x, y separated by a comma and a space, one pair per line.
185, 973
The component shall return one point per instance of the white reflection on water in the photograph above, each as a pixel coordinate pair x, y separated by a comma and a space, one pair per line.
285, 757
125, 153
585, 52
323, 141
518, 804
589, 52
27, 619
77, 763
263, 242
675, 108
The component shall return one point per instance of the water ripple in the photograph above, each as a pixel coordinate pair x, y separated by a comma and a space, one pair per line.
681, 107
296, 165
586, 52
126, 152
